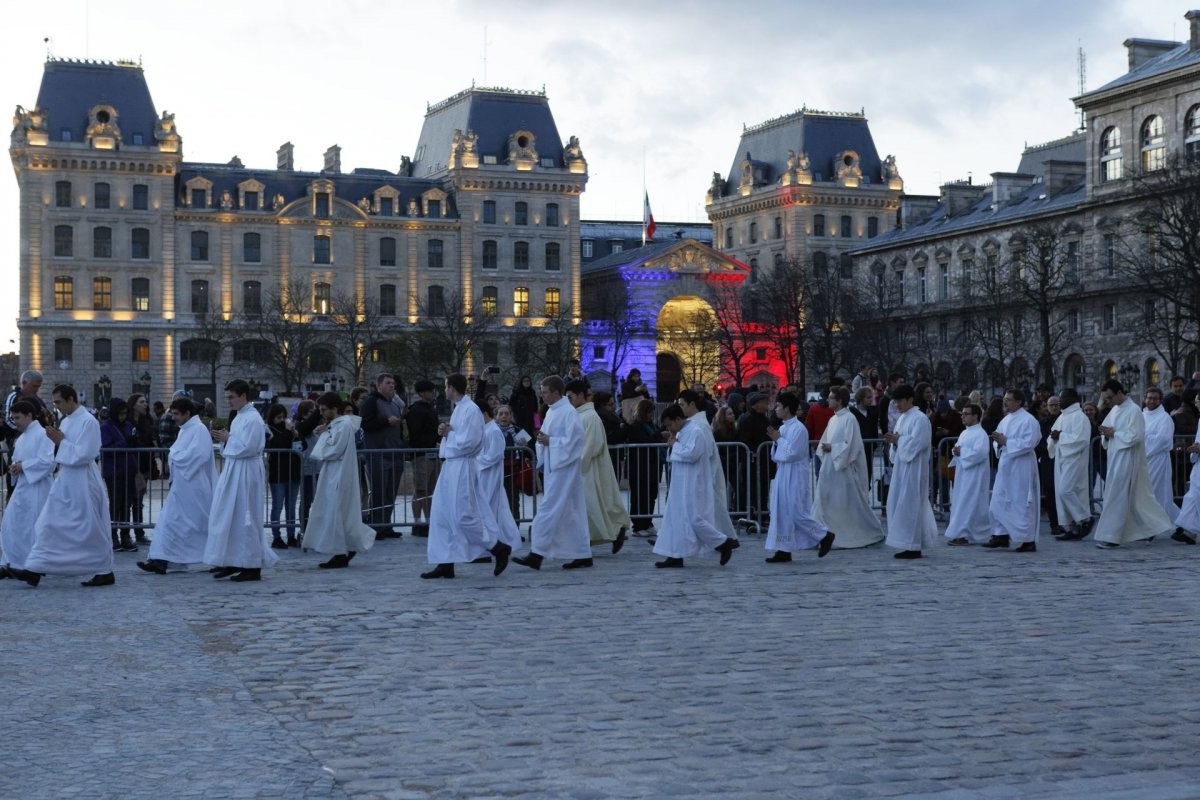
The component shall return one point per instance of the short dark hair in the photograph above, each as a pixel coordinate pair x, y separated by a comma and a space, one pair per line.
789, 401
66, 391
23, 407
484, 408
553, 383
1113, 386
673, 412
837, 381
577, 387
601, 398
1176, 378
238, 387
424, 385
1068, 397
1154, 390
974, 409
895, 376
333, 400
275, 410
574, 362
645, 410
183, 405
457, 382
383, 375
689, 396
842, 394
1016, 393
903, 392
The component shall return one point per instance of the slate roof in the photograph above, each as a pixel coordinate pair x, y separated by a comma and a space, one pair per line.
1069, 148
1180, 56
632, 229
639, 255
71, 88
493, 114
822, 135
293, 185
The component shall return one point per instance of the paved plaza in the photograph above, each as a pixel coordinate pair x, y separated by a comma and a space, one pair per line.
1067, 673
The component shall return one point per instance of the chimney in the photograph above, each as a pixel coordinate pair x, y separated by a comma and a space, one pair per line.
283, 157
1143, 50
1061, 175
1193, 17
916, 208
1007, 185
960, 196
333, 160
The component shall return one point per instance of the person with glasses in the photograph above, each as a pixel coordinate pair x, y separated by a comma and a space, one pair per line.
970, 519
1050, 412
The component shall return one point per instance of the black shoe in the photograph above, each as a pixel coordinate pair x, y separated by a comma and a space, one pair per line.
350, 556
223, 572
996, 542
502, 552
278, 543
1182, 537
482, 560
826, 545
293, 541
961, 541
1074, 536
440, 571
670, 563
140, 537
619, 542
1058, 531
726, 549
247, 575
908, 554
32, 578
420, 531
1027, 547
780, 557
533, 560
107, 579
579, 563
340, 561
155, 565
4, 573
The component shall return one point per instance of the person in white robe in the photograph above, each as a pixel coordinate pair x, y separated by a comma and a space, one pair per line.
489, 474
1188, 522
1069, 446
793, 524
970, 520
911, 525
335, 525
457, 532
608, 520
1131, 512
1160, 441
843, 503
181, 533
238, 547
696, 517
559, 528
32, 474
73, 532
1015, 507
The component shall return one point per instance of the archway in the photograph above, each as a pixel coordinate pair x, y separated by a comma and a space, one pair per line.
669, 376
687, 330
1074, 372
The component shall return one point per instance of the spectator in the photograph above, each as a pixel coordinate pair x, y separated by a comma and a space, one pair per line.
423, 435
283, 475
524, 404
308, 418
145, 438
382, 413
119, 467
645, 466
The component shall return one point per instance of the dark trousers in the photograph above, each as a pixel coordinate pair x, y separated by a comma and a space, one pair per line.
384, 471
121, 497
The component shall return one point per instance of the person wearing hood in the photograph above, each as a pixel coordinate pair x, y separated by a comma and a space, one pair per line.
335, 526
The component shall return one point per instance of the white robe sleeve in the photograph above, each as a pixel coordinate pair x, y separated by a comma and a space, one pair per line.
466, 432
792, 444
972, 450
688, 448
492, 451
1023, 436
915, 440
36, 454
83, 446
246, 440
1160, 438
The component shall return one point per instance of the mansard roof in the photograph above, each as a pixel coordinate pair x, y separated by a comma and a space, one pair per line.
1068, 148
494, 115
1176, 58
822, 135
70, 89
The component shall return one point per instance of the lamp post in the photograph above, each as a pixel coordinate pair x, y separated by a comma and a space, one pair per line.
105, 384
144, 382
341, 381
1129, 375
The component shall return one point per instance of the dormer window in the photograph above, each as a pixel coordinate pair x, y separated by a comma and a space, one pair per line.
321, 205
197, 190
386, 207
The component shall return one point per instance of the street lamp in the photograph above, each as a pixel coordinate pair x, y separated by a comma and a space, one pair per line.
341, 381
1129, 375
145, 384
105, 384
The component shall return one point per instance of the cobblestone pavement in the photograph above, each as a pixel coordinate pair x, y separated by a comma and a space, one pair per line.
1069, 673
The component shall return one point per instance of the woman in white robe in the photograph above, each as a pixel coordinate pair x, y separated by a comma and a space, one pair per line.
73, 533
1069, 445
911, 525
181, 533
607, 518
970, 520
238, 545
843, 504
793, 525
560, 528
1015, 509
1189, 515
489, 474
32, 474
1130, 512
1160, 441
335, 525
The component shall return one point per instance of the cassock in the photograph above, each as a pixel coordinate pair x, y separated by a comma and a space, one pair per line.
1189, 514
1070, 454
1130, 510
1160, 440
793, 526
560, 527
35, 452
1015, 508
456, 530
236, 537
606, 512
73, 533
969, 515
843, 504
910, 521
695, 519
181, 532
335, 524
489, 475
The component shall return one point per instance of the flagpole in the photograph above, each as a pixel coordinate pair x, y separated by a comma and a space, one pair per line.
644, 220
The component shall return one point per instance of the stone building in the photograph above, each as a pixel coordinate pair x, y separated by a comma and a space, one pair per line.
129, 251
944, 277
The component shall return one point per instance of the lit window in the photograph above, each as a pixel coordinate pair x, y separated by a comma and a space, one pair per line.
321, 248
489, 301
102, 243
141, 350
102, 294
140, 291
521, 301
1111, 160
64, 293
552, 304
322, 298
434, 252
552, 260
251, 248
1154, 147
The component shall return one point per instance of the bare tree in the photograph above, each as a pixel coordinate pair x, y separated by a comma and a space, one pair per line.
780, 305
692, 337
879, 322
621, 321
1044, 268
357, 330
286, 333
213, 334
446, 332
543, 348
735, 339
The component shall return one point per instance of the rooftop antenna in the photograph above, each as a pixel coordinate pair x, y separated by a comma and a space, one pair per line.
485, 55
46, 41
1082, 61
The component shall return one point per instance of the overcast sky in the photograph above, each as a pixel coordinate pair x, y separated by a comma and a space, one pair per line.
949, 87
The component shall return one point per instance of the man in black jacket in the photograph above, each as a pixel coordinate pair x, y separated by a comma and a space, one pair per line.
752, 432
382, 413
423, 434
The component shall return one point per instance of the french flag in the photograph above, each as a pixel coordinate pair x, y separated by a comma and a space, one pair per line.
647, 221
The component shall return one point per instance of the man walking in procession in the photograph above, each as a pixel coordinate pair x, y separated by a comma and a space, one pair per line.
793, 526
910, 522
608, 520
1014, 508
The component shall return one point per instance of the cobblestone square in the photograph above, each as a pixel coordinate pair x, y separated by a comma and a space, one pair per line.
1065, 673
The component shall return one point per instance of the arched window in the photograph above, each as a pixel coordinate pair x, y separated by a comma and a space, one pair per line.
102, 243
1109, 370
1154, 144
489, 301
251, 248
322, 245
64, 245
64, 351
1111, 161
199, 350
141, 350
551, 215
139, 243
139, 289
1153, 372
490, 254
434, 253
753, 232
1191, 134
322, 298
320, 359
102, 351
